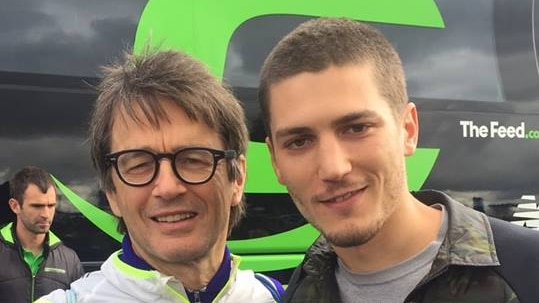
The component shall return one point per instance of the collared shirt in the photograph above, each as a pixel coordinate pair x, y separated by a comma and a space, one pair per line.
33, 261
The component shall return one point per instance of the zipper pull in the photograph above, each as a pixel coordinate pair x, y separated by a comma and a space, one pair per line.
196, 295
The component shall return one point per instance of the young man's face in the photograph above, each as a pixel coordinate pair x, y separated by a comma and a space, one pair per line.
171, 222
36, 211
339, 148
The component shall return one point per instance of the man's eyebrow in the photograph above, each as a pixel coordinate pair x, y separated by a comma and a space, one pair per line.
40, 204
292, 131
367, 114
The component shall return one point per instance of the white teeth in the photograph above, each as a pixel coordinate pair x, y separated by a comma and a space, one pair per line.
343, 197
175, 218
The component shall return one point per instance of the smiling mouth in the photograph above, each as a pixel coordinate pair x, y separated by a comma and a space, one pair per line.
341, 198
174, 218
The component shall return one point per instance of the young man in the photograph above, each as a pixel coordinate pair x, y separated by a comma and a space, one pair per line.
33, 260
339, 127
169, 142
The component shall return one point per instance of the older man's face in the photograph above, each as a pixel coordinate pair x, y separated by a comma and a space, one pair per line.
169, 221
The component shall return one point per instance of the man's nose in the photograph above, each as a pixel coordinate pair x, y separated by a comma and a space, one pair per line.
47, 211
333, 160
167, 185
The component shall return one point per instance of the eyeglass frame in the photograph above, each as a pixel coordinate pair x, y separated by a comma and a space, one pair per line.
112, 160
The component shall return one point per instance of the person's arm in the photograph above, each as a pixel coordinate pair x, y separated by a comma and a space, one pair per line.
74, 267
272, 285
78, 270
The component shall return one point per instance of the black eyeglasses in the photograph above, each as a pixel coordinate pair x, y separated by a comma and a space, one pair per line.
193, 165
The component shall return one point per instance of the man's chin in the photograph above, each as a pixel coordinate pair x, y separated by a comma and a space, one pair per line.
41, 231
346, 242
350, 237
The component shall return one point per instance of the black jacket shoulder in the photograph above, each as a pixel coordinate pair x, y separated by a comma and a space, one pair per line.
518, 251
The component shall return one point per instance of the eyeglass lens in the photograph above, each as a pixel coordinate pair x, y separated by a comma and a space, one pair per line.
139, 167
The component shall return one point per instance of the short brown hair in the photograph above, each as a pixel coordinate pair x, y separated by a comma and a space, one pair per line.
140, 82
319, 43
26, 176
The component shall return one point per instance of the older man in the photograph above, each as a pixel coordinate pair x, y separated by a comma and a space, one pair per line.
169, 144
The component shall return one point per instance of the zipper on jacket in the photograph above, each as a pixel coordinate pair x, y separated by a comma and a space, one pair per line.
196, 295
33, 286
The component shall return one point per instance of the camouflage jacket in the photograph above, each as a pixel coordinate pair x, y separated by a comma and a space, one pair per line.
466, 268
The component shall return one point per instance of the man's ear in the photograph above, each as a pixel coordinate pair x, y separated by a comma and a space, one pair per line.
15, 206
410, 124
113, 203
271, 150
239, 182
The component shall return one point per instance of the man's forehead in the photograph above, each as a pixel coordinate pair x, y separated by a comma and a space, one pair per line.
177, 131
35, 196
148, 117
150, 114
35, 187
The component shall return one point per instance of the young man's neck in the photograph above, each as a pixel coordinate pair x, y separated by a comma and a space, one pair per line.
29, 240
410, 228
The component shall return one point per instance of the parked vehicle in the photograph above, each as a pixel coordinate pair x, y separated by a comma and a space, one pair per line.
472, 68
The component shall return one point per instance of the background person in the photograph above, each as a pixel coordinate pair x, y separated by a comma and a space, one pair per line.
169, 142
33, 260
339, 126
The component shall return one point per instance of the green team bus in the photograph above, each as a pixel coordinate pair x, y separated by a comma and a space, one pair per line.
472, 68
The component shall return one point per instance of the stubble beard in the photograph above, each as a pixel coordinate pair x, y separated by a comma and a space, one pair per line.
350, 235
34, 228
353, 235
